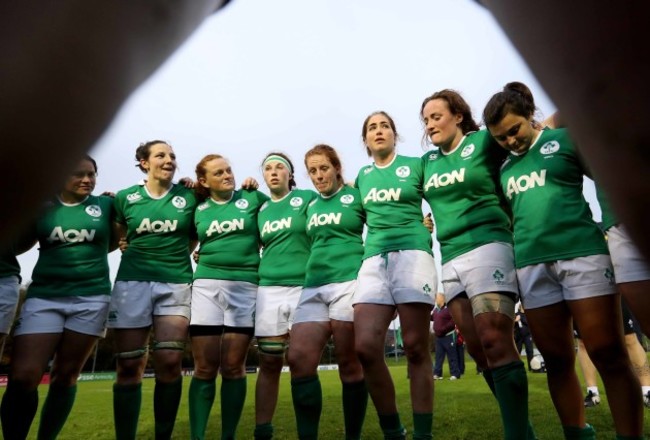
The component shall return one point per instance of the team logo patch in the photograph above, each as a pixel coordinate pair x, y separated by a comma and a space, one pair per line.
426, 289
550, 147
498, 276
609, 275
346, 199
241, 203
179, 202
203, 206
468, 150
295, 201
264, 205
93, 210
403, 171
133, 197
433, 156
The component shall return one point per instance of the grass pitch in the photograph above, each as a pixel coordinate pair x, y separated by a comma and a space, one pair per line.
464, 409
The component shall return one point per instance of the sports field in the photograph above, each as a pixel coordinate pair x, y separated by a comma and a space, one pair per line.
464, 409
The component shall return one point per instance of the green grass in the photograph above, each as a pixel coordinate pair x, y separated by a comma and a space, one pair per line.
464, 409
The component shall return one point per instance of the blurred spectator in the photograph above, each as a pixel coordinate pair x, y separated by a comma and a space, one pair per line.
445, 331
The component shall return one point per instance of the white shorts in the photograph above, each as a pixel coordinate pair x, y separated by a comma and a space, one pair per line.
396, 278
223, 302
566, 280
81, 314
488, 268
134, 303
629, 265
322, 303
275, 309
9, 293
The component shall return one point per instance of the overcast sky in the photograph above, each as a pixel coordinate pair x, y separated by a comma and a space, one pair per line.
288, 74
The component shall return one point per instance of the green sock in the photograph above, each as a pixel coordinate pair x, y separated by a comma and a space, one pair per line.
575, 433
307, 404
263, 431
233, 396
511, 390
56, 409
166, 399
630, 437
422, 426
201, 399
126, 410
392, 427
355, 402
17, 411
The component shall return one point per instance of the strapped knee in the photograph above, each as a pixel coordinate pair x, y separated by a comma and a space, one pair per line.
168, 345
493, 302
134, 354
272, 348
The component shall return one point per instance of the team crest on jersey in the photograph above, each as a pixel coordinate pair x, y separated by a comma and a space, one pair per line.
403, 171
241, 203
550, 147
179, 202
468, 150
203, 206
94, 210
346, 199
295, 201
133, 197
433, 156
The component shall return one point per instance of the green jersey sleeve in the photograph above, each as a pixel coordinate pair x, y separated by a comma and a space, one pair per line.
335, 226
608, 217
392, 199
74, 241
159, 231
282, 224
229, 237
552, 219
462, 187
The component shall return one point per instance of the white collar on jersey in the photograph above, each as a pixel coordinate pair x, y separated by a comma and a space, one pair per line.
455, 148
282, 198
223, 202
71, 204
531, 145
381, 167
332, 195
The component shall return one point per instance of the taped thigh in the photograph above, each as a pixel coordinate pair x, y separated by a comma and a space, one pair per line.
493, 302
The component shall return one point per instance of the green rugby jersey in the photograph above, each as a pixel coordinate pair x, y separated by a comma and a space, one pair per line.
74, 242
392, 198
159, 231
463, 190
230, 243
9, 264
608, 216
282, 224
552, 220
334, 226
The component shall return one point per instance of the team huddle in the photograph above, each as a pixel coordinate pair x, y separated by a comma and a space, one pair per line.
292, 269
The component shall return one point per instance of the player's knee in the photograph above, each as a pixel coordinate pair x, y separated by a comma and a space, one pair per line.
272, 348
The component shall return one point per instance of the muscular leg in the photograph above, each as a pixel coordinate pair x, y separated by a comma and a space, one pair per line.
637, 295
266, 388
234, 349
167, 368
600, 322
371, 323
20, 401
355, 393
552, 330
71, 355
206, 350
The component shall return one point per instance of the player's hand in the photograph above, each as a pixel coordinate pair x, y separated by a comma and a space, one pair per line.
250, 183
427, 221
195, 256
108, 194
187, 182
122, 244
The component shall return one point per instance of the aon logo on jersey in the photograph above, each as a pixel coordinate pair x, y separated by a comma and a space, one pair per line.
444, 179
157, 226
225, 226
382, 195
324, 219
525, 182
71, 235
276, 225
